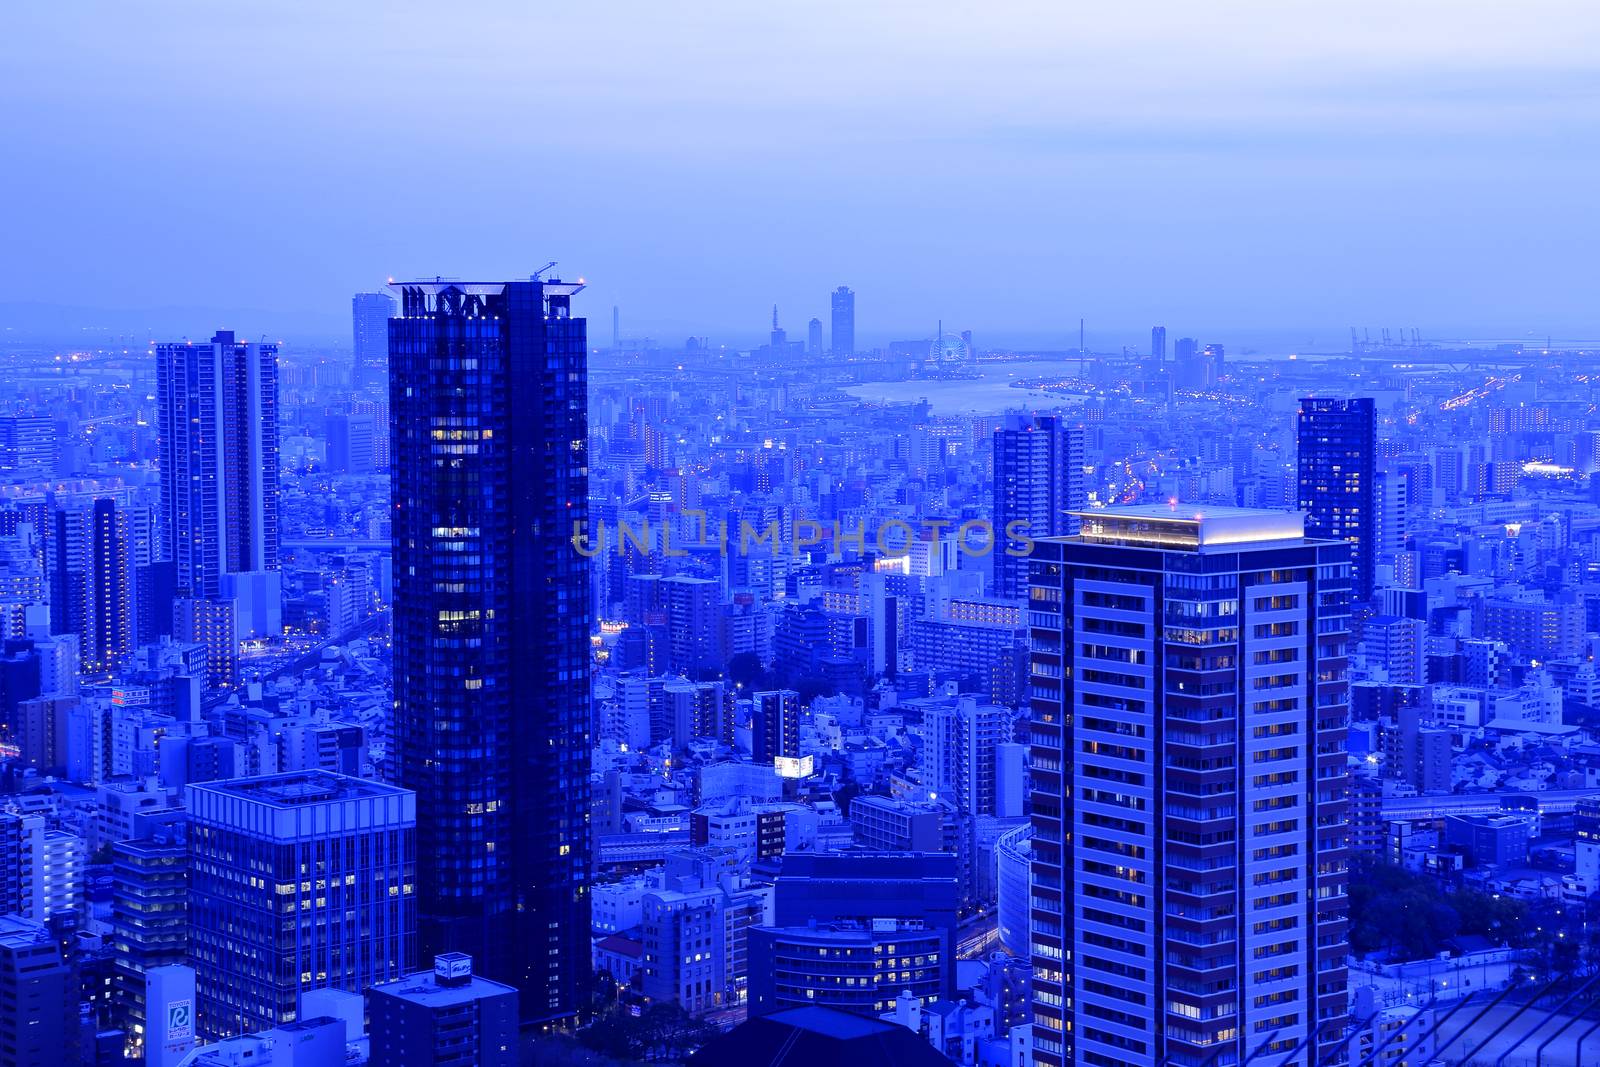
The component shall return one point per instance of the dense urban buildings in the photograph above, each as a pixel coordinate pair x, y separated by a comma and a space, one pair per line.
794, 663
1189, 856
487, 392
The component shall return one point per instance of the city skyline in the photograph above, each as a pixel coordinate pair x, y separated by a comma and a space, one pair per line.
1079, 545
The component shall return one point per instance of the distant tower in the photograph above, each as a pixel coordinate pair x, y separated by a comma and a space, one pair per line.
780, 337
1187, 368
1158, 344
1338, 478
844, 321
814, 337
1213, 354
370, 314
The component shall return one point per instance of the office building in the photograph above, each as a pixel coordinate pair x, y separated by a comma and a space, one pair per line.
1038, 485
1158, 344
1189, 803
1338, 479
296, 881
774, 725
444, 1016
149, 925
856, 891
38, 997
218, 430
814, 337
350, 443
491, 625
858, 967
695, 922
895, 824
844, 322
370, 314
27, 447
1497, 840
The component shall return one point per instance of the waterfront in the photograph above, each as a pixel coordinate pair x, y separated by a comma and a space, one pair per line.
989, 394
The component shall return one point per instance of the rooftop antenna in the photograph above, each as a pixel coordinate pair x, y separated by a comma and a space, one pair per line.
541, 270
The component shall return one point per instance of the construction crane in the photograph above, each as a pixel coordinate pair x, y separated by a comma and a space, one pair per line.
541, 270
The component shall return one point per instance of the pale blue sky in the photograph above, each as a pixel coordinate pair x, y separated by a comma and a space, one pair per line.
1008, 166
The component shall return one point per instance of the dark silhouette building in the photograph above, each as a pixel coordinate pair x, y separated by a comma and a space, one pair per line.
489, 429
844, 321
821, 1037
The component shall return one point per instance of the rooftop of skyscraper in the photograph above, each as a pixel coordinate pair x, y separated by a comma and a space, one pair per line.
1195, 527
294, 788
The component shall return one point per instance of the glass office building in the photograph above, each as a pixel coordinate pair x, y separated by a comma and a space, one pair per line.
297, 881
1338, 478
488, 399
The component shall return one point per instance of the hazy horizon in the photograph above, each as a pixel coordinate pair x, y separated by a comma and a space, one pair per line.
1006, 169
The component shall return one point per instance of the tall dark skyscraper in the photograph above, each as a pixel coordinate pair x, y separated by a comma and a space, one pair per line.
1190, 704
1038, 482
844, 322
218, 414
488, 394
1158, 344
370, 313
1338, 478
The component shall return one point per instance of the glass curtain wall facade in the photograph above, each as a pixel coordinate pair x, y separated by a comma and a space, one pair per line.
488, 396
1338, 478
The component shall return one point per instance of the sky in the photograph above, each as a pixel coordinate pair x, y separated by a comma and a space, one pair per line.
1231, 168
